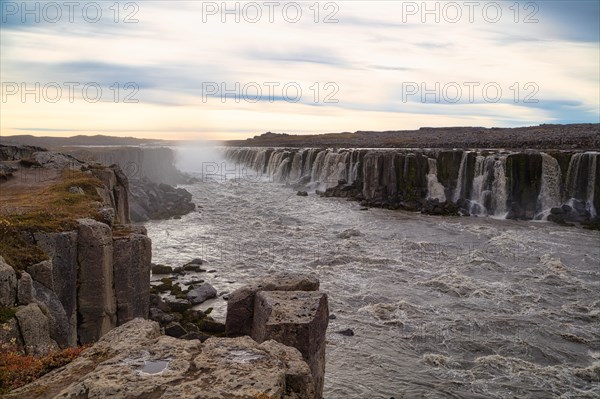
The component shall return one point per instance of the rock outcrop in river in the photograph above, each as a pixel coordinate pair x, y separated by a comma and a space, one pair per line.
563, 186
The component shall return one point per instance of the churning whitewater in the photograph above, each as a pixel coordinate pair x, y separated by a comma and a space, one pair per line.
439, 306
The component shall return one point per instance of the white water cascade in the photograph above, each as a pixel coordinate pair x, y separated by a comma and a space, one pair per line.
462, 171
582, 171
435, 190
550, 188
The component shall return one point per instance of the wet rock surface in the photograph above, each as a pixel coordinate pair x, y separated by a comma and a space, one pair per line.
201, 293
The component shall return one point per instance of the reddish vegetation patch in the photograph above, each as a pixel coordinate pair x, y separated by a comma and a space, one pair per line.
18, 369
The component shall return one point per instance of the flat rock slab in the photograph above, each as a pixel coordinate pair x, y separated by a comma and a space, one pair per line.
135, 361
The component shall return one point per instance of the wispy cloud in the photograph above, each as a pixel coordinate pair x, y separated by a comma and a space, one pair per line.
361, 61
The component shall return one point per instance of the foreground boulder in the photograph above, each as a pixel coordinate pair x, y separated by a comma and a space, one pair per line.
288, 309
136, 361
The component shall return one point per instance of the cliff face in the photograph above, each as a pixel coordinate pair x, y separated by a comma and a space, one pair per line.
96, 274
558, 185
150, 172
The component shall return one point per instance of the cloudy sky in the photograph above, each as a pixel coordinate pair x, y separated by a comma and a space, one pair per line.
210, 70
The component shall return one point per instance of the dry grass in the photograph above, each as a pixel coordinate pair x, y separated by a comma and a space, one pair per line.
18, 369
46, 208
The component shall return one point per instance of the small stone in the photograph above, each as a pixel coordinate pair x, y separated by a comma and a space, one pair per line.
347, 332
35, 330
191, 327
194, 315
195, 335
175, 329
302, 194
179, 305
332, 317
201, 294
212, 326
160, 316
192, 267
161, 269
76, 190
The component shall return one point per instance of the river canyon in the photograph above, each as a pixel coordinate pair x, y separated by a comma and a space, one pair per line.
439, 306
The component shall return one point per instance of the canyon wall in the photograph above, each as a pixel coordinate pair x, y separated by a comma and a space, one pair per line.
151, 172
557, 185
97, 272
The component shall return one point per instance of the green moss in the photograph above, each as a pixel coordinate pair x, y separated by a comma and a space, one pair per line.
167, 281
6, 314
208, 325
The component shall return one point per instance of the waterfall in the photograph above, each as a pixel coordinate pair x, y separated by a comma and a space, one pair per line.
549, 196
499, 189
352, 173
309, 162
581, 180
477, 191
592, 183
281, 172
392, 176
296, 168
330, 168
489, 191
435, 190
318, 165
276, 166
459, 191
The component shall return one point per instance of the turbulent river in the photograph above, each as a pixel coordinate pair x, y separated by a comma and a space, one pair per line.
440, 307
